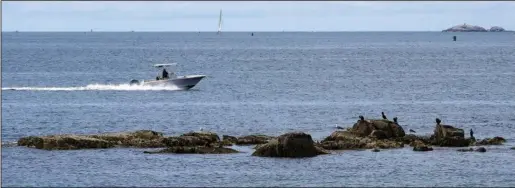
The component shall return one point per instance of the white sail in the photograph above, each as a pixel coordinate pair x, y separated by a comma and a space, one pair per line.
220, 22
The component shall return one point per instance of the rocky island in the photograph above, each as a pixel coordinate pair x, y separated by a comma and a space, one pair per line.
473, 28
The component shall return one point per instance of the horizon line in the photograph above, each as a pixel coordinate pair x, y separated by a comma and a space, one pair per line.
163, 31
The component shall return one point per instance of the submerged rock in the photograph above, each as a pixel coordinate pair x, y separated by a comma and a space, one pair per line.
292, 145
195, 150
479, 149
375, 150
419, 145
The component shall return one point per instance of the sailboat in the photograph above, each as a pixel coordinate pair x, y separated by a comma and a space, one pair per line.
220, 23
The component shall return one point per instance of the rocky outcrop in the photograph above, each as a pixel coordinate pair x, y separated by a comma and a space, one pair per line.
465, 28
253, 139
195, 150
64, 142
380, 129
366, 134
491, 141
449, 136
207, 139
292, 145
496, 29
142, 138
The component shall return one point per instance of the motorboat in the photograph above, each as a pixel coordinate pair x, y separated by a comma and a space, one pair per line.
169, 78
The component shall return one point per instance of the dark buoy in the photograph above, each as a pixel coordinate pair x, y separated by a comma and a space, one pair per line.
252, 34
454, 38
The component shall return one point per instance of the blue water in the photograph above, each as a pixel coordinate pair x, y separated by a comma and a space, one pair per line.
271, 83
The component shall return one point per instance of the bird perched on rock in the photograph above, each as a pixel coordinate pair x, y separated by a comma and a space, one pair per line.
438, 121
362, 118
411, 130
384, 116
338, 127
395, 120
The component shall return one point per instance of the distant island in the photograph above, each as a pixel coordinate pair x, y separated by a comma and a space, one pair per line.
473, 28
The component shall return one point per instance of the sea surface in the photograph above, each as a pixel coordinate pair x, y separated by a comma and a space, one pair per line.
269, 83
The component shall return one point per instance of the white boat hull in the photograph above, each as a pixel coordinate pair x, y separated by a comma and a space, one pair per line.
183, 82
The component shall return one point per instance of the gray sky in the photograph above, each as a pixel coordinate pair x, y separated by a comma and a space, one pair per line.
254, 16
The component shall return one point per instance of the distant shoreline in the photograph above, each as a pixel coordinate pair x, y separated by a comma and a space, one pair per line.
232, 32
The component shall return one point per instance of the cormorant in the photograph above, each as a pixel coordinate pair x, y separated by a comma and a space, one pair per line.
438, 121
395, 120
362, 118
471, 133
384, 116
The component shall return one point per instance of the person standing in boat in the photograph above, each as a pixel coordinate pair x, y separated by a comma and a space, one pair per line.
165, 74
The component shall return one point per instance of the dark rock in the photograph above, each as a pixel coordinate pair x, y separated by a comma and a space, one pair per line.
141, 138
375, 150
481, 149
513, 148
195, 150
292, 145
378, 134
422, 148
449, 136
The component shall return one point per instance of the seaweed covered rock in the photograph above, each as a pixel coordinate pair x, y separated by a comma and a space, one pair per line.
64, 142
491, 141
292, 145
253, 139
207, 139
419, 145
449, 136
195, 150
140, 138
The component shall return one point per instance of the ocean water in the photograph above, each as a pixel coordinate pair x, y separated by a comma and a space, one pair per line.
269, 83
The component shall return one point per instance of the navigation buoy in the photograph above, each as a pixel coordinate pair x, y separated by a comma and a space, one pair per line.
252, 34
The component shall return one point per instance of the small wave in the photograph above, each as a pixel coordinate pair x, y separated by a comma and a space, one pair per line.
101, 87
9, 144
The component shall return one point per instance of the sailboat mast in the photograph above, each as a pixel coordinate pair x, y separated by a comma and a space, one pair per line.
220, 22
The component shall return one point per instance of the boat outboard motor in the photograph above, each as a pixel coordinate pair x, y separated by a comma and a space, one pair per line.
134, 82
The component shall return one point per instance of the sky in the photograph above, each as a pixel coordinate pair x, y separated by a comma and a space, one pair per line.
254, 15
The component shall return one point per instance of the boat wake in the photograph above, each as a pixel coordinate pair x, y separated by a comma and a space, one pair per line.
98, 87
